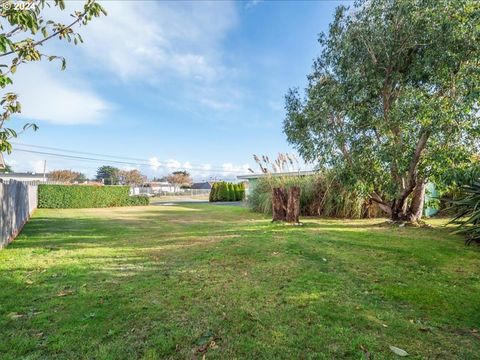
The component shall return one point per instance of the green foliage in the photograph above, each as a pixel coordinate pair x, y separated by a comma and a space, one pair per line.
25, 29
393, 97
241, 190
231, 192
223, 194
236, 190
321, 195
467, 212
6, 169
78, 196
213, 193
109, 174
223, 191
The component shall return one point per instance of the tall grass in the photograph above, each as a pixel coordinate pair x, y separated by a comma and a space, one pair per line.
321, 195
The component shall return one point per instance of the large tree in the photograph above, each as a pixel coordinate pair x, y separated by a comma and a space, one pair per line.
109, 175
25, 27
66, 176
179, 178
392, 100
131, 177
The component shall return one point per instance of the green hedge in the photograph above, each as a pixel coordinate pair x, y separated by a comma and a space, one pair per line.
78, 196
223, 191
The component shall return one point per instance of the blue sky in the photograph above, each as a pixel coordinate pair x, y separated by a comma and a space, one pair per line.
193, 85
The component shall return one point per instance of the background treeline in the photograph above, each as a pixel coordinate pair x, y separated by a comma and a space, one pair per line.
67, 196
224, 191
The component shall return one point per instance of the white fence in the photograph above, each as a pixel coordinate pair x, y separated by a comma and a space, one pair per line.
181, 192
17, 202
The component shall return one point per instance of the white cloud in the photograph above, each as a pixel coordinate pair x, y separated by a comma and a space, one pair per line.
56, 98
159, 39
169, 165
252, 3
229, 169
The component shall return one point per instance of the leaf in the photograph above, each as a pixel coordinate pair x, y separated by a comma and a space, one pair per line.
65, 293
15, 316
398, 351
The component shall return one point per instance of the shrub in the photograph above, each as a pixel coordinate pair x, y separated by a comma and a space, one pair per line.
218, 188
231, 192
212, 195
78, 196
236, 190
321, 195
467, 212
137, 200
241, 191
223, 191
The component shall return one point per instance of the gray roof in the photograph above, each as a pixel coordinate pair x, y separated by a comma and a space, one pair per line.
291, 173
202, 185
11, 175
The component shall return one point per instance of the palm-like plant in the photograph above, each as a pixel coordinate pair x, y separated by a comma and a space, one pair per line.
467, 212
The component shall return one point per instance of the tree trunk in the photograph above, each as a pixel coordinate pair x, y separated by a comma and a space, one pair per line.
293, 205
279, 204
418, 199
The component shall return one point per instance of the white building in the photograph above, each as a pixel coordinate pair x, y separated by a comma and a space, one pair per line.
32, 177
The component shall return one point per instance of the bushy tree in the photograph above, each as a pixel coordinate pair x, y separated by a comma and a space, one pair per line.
131, 177
213, 193
231, 192
108, 174
25, 27
393, 98
241, 190
179, 178
223, 192
66, 176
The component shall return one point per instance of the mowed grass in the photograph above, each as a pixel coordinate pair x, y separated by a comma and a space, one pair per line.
189, 281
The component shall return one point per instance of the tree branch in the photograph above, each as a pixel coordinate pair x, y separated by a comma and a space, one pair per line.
40, 42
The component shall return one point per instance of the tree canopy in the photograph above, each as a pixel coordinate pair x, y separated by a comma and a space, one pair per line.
392, 100
179, 178
66, 176
25, 27
108, 174
131, 177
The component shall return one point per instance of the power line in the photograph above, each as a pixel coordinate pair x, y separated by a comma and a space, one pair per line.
199, 166
77, 152
83, 158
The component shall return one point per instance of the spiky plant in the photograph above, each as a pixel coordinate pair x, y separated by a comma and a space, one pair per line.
467, 212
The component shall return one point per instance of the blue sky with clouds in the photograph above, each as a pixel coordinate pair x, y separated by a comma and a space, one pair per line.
181, 84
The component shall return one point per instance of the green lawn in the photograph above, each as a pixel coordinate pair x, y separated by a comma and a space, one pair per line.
180, 282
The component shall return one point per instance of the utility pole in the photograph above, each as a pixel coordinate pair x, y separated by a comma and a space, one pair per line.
44, 170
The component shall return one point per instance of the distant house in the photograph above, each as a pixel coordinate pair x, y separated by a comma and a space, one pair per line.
202, 186
253, 178
160, 186
8, 176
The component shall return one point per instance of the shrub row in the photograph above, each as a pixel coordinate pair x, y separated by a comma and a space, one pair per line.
78, 196
223, 191
321, 195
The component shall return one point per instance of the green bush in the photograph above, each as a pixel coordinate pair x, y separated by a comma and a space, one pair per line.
137, 200
213, 191
231, 192
223, 191
78, 196
241, 191
236, 191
